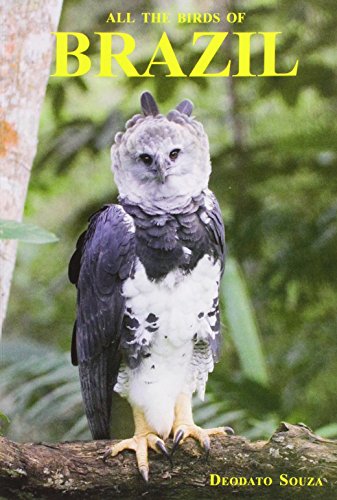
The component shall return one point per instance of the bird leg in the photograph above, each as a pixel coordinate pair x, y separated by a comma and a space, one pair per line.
184, 426
143, 439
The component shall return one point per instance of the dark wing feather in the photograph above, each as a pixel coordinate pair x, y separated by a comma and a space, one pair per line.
216, 231
103, 259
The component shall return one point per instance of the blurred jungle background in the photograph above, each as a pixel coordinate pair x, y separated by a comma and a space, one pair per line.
273, 148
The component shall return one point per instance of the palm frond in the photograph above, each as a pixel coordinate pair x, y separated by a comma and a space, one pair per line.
243, 326
40, 390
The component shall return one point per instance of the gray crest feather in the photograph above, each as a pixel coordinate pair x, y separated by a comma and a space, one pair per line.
185, 107
149, 106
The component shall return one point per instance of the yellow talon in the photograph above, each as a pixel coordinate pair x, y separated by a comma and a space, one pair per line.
184, 426
143, 439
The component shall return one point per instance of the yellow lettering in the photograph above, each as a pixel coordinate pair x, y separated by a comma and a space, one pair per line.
113, 54
241, 17
121, 18
214, 479
121, 58
111, 18
244, 54
283, 479
270, 56
62, 54
209, 53
232, 17
170, 59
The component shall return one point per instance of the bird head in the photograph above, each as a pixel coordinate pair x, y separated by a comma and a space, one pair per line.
161, 161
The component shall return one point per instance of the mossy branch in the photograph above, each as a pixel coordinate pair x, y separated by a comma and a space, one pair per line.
76, 469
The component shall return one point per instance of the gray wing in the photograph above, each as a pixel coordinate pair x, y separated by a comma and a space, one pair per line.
103, 260
216, 231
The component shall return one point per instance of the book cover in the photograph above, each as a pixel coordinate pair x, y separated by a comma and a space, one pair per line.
261, 76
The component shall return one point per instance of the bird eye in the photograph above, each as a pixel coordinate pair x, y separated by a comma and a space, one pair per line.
174, 154
147, 159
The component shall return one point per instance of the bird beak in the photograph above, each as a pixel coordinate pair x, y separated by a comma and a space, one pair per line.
161, 171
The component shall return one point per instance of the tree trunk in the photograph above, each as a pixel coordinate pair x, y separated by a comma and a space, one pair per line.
293, 463
26, 50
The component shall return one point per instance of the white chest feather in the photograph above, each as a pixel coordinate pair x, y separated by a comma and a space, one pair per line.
179, 306
178, 300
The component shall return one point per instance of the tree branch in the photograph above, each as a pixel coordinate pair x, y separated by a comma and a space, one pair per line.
76, 470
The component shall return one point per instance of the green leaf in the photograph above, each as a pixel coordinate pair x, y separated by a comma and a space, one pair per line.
13, 230
4, 421
328, 431
4, 418
242, 323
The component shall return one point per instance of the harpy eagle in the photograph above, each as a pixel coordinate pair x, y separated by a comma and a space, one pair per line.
147, 273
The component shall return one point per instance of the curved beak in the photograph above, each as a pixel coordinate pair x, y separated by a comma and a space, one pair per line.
161, 169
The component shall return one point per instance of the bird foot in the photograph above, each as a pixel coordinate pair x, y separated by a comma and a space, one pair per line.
183, 431
140, 443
